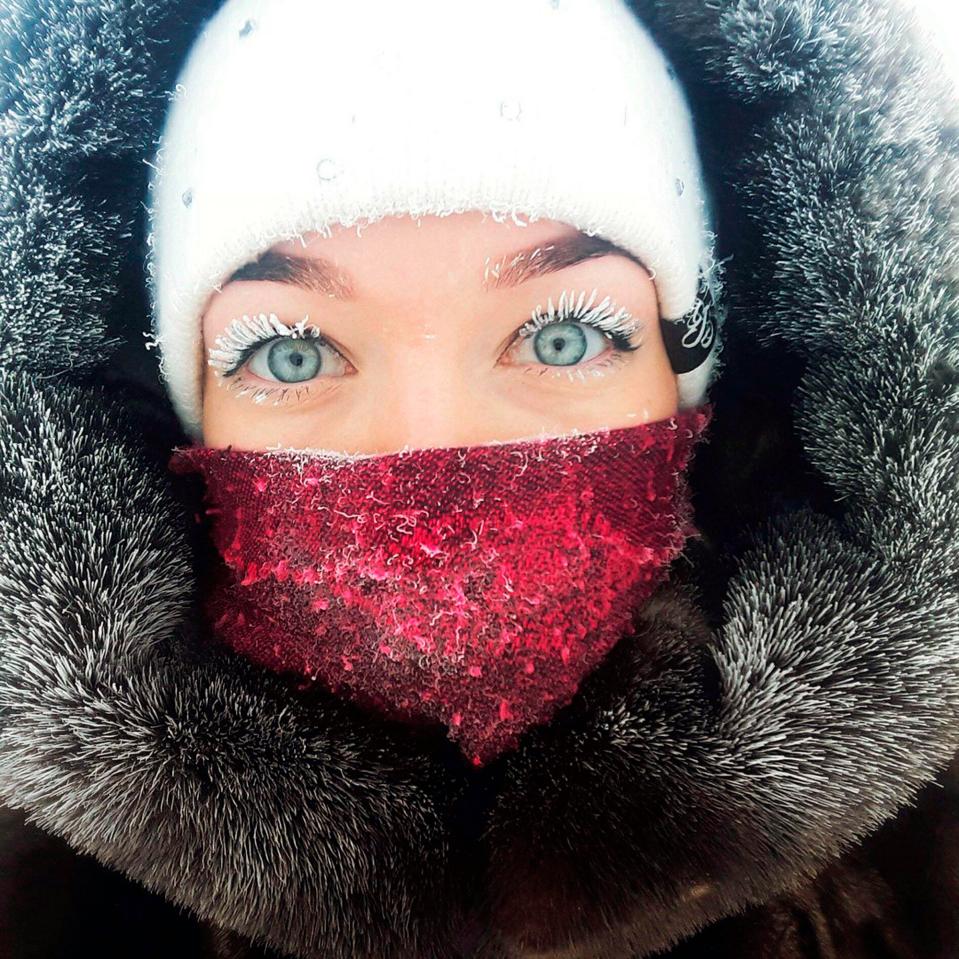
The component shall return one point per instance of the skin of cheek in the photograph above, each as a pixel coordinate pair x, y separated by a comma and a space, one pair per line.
434, 396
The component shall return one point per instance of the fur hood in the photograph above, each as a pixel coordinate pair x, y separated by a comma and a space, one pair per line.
791, 690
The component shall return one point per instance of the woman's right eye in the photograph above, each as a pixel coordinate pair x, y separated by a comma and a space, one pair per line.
296, 360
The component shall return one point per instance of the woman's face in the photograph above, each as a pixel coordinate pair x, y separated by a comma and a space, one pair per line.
432, 334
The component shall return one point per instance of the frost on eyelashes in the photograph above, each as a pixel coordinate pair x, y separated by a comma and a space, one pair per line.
248, 331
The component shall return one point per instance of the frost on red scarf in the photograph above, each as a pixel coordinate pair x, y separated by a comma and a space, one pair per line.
471, 586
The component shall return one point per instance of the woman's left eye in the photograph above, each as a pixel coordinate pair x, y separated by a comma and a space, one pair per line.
289, 360
565, 343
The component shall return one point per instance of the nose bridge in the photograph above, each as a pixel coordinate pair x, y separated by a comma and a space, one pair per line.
424, 398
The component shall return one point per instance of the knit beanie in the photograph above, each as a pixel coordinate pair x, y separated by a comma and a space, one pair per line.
293, 116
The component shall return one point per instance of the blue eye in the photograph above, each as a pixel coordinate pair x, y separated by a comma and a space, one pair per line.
574, 331
565, 344
294, 360
562, 344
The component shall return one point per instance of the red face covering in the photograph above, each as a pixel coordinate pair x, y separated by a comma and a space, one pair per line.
473, 586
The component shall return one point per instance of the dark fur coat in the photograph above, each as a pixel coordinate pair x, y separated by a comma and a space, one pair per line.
763, 769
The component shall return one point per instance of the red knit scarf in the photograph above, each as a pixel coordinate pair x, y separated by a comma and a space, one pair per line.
474, 586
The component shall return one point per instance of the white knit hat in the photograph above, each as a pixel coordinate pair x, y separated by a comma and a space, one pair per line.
292, 116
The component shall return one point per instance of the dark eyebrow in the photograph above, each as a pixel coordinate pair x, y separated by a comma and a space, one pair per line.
322, 276
311, 273
523, 265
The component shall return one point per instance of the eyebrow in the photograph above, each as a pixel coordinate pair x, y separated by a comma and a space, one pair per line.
321, 276
534, 261
311, 273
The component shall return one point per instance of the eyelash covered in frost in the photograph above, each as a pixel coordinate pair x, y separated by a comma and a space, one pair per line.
618, 323
246, 334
